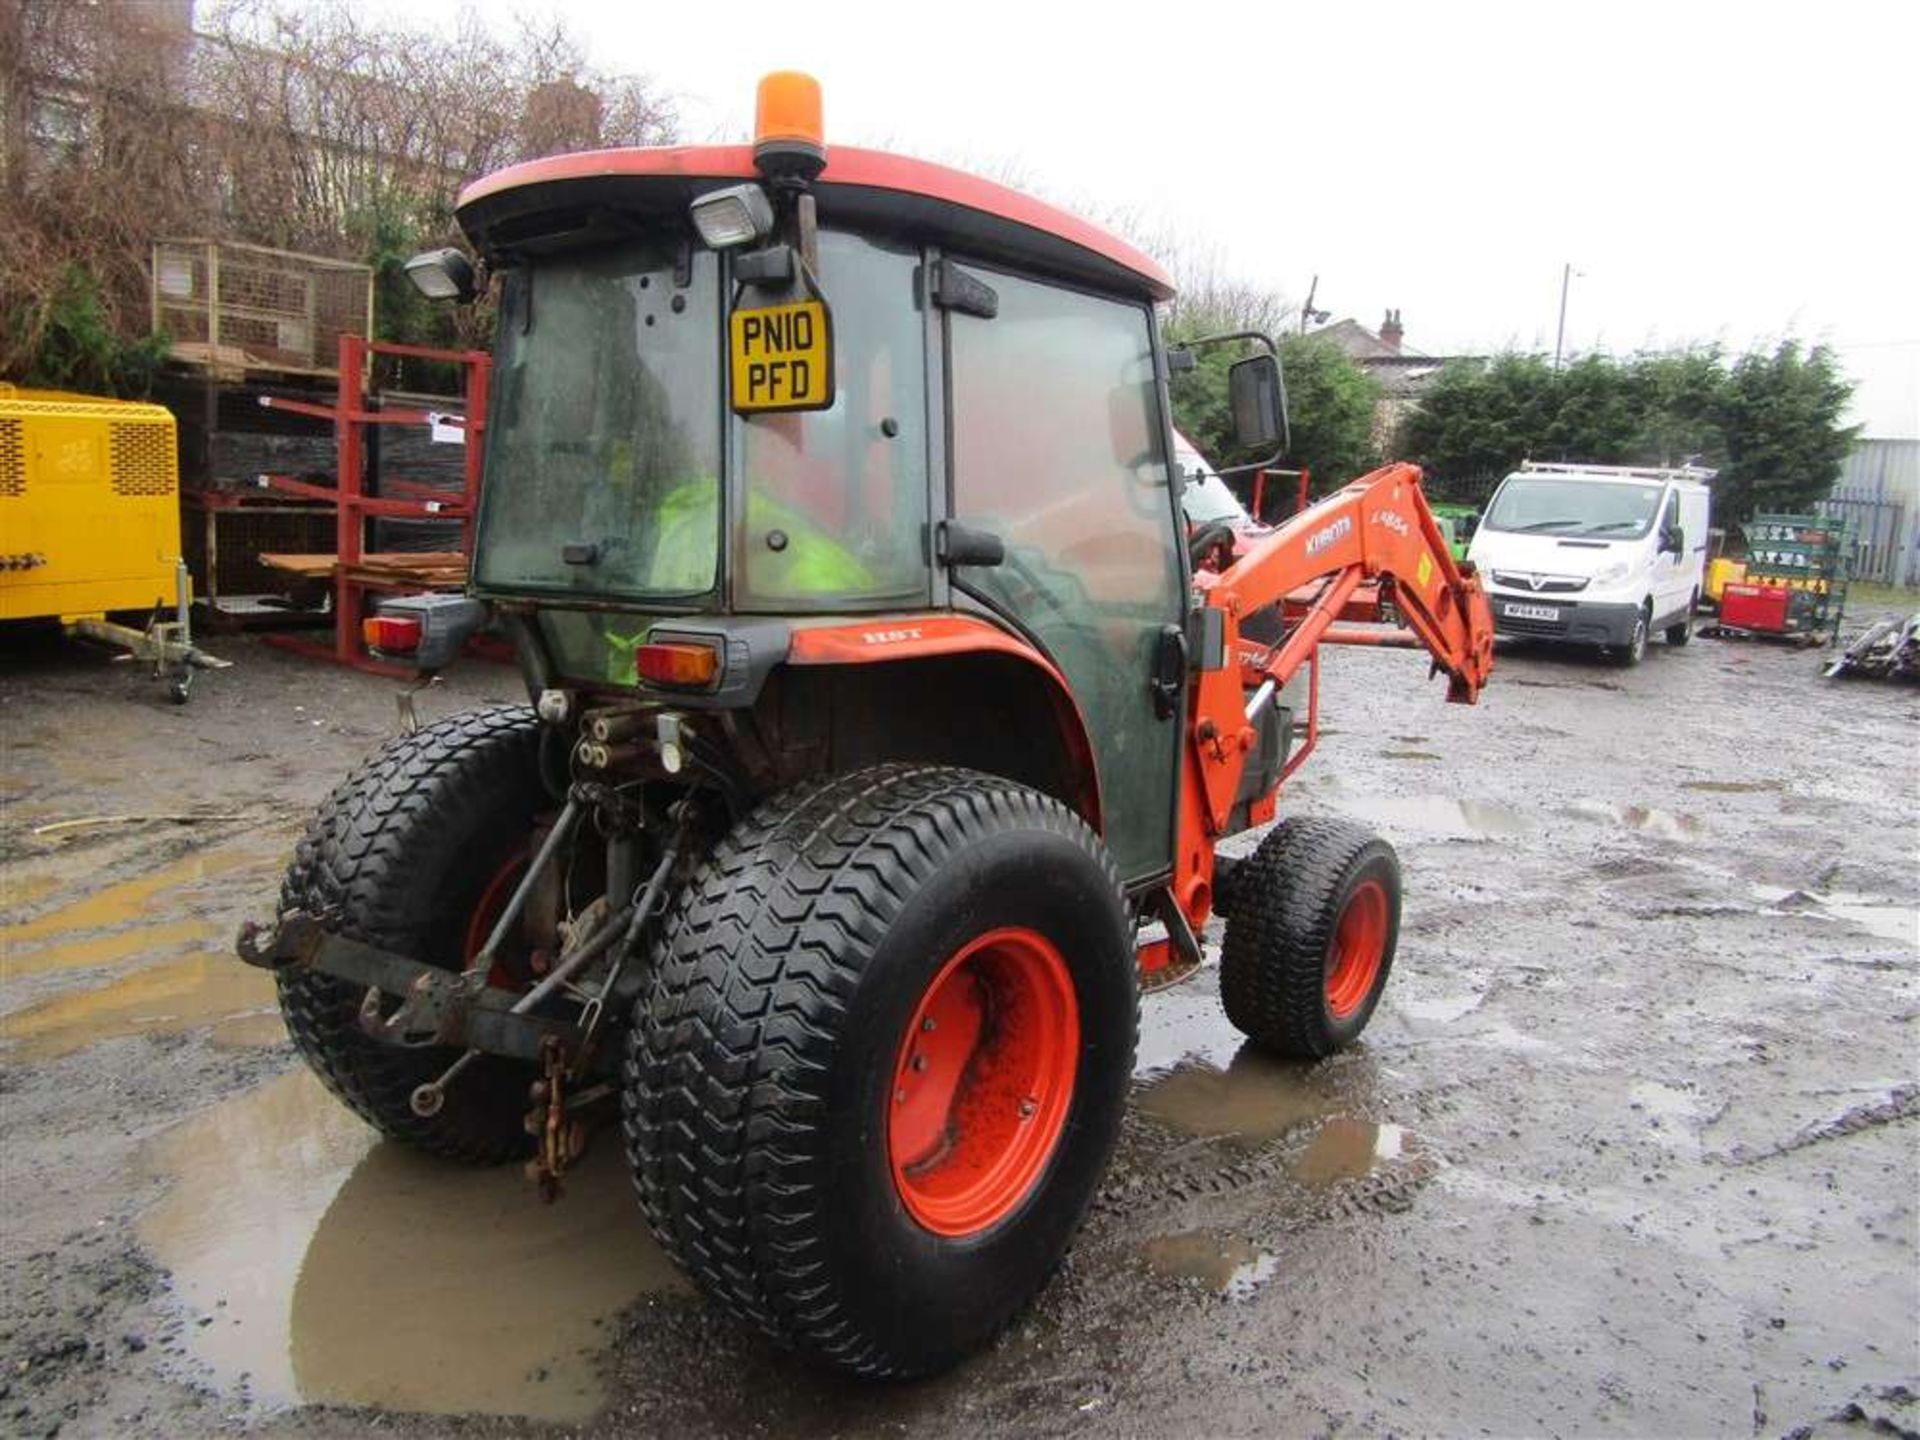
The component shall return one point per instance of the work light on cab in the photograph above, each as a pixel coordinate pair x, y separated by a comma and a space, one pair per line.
737, 215
443, 274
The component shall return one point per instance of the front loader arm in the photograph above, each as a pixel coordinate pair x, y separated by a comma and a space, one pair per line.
1377, 530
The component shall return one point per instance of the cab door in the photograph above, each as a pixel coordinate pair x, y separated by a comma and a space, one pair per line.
1057, 442
1673, 571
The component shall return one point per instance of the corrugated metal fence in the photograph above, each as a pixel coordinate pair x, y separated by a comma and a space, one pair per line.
1878, 495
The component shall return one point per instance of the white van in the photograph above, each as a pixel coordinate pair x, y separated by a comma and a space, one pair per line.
1595, 554
1205, 496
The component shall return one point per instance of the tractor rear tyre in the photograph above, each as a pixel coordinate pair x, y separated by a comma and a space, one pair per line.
1311, 936
416, 852
882, 1061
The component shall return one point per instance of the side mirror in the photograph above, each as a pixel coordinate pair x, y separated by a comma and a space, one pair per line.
1258, 402
1675, 539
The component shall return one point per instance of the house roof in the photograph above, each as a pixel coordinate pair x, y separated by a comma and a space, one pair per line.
1360, 343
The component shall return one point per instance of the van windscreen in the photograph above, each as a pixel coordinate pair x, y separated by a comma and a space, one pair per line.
1556, 505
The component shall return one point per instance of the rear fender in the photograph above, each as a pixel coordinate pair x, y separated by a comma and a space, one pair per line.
947, 688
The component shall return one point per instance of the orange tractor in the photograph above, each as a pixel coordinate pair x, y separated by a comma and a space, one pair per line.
882, 733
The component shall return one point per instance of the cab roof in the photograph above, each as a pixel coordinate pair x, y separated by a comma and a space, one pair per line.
541, 203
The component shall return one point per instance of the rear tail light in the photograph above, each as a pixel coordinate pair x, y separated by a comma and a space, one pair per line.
676, 664
393, 634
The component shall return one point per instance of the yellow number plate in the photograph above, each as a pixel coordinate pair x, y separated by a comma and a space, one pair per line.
782, 357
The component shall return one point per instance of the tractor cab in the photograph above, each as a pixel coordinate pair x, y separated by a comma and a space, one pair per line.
760, 407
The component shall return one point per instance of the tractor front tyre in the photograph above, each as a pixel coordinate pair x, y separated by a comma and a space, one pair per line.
882, 1061
416, 853
1311, 936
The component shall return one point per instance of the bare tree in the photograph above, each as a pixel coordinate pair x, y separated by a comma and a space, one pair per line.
302, 125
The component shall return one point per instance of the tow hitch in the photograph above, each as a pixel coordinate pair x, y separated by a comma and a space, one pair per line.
449, 1009
437, 1007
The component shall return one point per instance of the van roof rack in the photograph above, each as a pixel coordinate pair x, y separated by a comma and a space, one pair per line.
1696, 473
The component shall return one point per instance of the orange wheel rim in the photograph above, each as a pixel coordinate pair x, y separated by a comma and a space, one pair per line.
486, 914
1359, 945
983, 1082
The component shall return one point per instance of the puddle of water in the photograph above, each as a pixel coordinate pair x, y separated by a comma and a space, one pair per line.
1876, 917
1661, 824
1225, 1265
1347, 1149
1730, 787
1662, 1101
1673, 1115
260, 1031
339, 1268
1437, 815
1183, 1023
97, 949
1255, 1099
1439, 1009
208, 988
17, 890
1882, 918
127, 901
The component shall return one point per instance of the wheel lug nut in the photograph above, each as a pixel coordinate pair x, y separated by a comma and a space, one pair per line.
899, 1097
1027, 1107
927, 1024
919, 1062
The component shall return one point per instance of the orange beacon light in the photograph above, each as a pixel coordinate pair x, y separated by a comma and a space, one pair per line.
789, 138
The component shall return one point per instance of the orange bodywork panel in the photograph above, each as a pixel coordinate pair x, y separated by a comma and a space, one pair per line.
906, 637
882, 639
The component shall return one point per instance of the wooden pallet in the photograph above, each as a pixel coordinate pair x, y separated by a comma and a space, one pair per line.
430, 569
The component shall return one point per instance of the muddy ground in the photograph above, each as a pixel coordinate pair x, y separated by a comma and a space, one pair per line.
1631, 1148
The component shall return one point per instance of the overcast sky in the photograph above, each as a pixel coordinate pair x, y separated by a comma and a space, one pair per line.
1735, 173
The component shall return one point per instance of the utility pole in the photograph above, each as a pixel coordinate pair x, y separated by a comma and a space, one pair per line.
1560, 335
1309, 315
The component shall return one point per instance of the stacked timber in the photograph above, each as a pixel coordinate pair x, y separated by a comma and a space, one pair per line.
427, 570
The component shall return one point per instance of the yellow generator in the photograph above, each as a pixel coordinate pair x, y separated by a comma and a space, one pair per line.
1720, 573
90, 523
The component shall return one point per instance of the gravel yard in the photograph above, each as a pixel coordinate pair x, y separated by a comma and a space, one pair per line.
1632, 1146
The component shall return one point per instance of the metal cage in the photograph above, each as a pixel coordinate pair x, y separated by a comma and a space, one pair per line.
232, 308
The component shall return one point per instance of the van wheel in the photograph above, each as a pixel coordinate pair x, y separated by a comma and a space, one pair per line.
1683, 632
1635, 650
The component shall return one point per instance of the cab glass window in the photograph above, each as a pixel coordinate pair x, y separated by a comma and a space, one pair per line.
832, 513
603, 438
1058, 448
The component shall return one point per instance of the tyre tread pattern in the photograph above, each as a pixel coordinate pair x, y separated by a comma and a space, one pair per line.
354, 866
731, 1047
1272, 963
